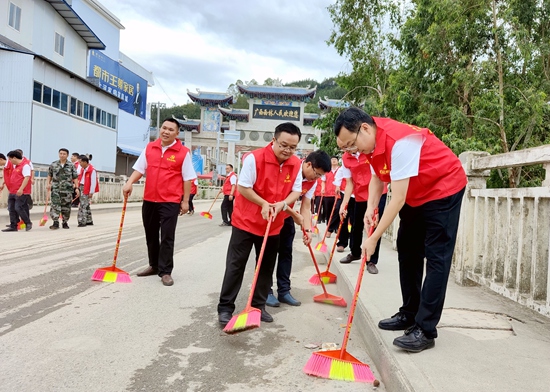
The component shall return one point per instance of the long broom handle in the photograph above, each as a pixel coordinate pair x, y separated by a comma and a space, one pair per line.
328, 222
320, 205
47, 202
259, 263
315, 264
336, 239
216, 198
355, 296
120, 230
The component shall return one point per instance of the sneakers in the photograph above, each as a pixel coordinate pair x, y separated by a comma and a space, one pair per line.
272, 301
371, 268
349, 258
414, 340
65, 225
55, 225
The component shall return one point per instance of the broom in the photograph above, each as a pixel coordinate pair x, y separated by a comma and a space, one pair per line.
326, 276
322, 246
339, 364
315, 229
45, 216
112, 273
207, 214
325, 298
250, 317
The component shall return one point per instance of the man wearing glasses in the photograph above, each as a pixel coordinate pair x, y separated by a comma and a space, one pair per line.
315, 165
427, 182
269, 182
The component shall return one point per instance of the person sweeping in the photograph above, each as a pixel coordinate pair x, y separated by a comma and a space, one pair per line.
270, 180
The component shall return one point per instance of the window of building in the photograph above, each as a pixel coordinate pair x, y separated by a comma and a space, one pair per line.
37, 92
47, 97
98, 115
79, 105
15, 17
73, 106
56, 99
113, 122
91, 114
64, 102
86, 111
59, 44
103, 118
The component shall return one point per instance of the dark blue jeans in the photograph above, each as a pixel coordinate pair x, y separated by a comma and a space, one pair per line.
427, 231
284, 261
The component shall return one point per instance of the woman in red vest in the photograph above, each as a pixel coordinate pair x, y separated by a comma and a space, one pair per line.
269, 182
427, 182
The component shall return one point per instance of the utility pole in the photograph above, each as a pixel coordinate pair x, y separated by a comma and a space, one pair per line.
159, 106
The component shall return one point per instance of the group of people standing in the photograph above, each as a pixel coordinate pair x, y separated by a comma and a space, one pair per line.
66, 179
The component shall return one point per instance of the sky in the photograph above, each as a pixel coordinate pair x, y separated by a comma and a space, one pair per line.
210, 44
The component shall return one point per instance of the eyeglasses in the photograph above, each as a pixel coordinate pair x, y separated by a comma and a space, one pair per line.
286, 148
353, 147
318, 175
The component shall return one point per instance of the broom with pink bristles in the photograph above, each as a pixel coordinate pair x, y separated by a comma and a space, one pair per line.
112, 273
327, 277
322, 246
339, 364
250, 317
45, 215
207, 214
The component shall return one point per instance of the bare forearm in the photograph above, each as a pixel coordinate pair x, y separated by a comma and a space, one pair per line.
186, 190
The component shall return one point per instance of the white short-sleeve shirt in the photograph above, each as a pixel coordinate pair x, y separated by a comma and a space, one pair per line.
187, 170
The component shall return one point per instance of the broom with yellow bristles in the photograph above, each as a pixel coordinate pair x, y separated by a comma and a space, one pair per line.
339, 364
250, 317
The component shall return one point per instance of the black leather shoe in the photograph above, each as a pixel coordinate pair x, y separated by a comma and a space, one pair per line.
397, 322
289, 299
414, 340
81, 225
9, 229
266, 317
148, 272
89, 223
224, 318
65, 225
349, 258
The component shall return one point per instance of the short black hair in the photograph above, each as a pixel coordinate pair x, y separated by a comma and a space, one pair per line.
351, 118
64, 149
230, 165
289, 128
84, 158
334, 157
319, 160
172, 120
18, 149
2, 156
75, 154
15, 154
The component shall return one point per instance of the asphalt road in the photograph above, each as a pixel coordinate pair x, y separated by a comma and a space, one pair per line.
60, 331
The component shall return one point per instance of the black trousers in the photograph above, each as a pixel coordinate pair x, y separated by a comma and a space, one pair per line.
427, 231
238, 252
227, 209
343, 238
359, 224
284, 261
18, 207
191, 206
328, 203
316, 204
161, 217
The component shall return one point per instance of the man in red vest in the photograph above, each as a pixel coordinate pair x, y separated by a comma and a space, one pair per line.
316, 164
427, 182
89, 184
20, 191
169, 170
229, 188
330, 196
194, 189
269, 182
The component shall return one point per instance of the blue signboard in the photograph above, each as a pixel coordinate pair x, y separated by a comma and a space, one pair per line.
120, 82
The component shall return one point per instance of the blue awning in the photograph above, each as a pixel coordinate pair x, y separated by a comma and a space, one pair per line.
130, 151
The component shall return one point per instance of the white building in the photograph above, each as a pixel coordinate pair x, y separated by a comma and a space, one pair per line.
49, 97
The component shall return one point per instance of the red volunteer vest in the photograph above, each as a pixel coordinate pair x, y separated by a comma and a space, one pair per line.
343, 185
317, 191
16, 178
440, 173
193, 188
306, 186
330, 188
227, 184
360, 174
273, 183
164, 182
88, 179
8, 169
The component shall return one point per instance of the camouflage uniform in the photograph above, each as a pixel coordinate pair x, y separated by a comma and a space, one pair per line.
63, 177
84, 212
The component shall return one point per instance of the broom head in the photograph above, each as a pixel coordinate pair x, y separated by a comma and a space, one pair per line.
248, 319
314, 220
111, 274
330, 299
328, 364
206, 215
315, 230
21, 225
321, 246
349, 227
43, 220
326, 276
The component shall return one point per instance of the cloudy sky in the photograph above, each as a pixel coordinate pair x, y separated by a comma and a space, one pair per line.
190, 44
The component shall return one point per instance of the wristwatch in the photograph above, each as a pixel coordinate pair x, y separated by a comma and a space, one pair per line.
307, 230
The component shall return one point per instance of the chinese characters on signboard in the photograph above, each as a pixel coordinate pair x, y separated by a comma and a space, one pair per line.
272, 112
120, 82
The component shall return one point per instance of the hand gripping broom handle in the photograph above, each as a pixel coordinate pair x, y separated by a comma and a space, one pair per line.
355, 296
216, 198
259, 263
315, 263
120, 230
336, 238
